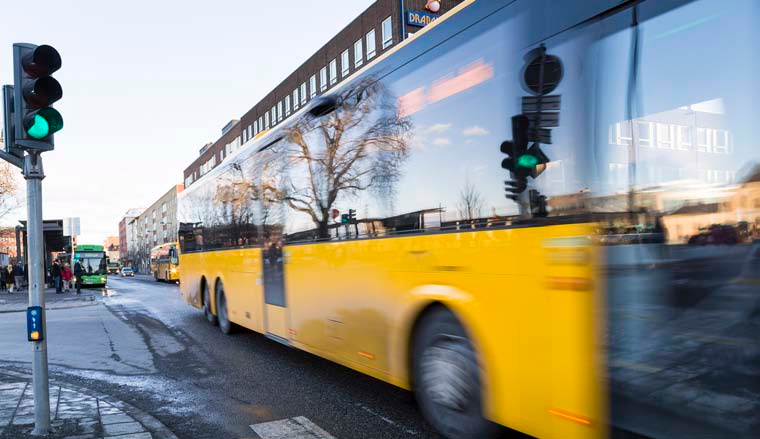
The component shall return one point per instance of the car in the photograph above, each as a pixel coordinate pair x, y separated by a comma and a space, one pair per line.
126, 271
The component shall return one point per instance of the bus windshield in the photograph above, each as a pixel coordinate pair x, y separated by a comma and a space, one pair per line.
92, 262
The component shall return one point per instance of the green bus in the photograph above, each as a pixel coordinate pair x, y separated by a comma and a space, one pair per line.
94, 261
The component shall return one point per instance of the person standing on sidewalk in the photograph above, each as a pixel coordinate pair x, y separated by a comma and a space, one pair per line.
55, 273
66, 276
8, 278
18, 275
78, 273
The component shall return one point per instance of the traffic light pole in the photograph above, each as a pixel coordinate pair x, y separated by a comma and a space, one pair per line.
33, 174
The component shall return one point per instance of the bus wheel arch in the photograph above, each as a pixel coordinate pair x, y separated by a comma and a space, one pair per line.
445, 373
206, 302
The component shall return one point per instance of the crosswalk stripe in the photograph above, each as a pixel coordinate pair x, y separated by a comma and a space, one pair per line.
292, 428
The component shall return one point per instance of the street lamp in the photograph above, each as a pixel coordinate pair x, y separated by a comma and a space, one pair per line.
433, 5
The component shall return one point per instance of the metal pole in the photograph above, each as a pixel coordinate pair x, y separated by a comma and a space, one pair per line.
34, 174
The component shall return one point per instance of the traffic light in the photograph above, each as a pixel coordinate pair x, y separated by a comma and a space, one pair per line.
348, 218
522, 162
35, 91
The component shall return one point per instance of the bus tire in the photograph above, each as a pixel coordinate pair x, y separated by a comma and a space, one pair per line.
207, 306
225, 325
446, 378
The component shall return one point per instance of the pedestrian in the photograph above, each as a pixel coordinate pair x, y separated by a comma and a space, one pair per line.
8, 278
55, 273
66, 276
18, 276
78, 273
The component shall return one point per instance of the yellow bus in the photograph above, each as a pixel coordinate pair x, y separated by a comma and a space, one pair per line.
164, 262
489, 215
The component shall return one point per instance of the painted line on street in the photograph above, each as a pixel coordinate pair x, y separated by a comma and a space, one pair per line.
292, 428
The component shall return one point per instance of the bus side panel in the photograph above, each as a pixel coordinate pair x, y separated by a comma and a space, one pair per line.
239, 271
532, 321
243, 286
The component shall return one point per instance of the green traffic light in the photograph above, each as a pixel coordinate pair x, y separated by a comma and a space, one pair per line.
43, 123
40, 127
527, 161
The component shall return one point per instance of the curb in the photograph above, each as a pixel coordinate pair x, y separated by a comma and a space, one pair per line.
53, 304
53, 308
156, 427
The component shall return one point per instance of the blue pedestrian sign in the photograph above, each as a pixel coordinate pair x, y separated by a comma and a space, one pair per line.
34, 329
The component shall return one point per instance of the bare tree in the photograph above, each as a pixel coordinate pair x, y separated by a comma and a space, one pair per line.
470, 202
8, 189
360, 146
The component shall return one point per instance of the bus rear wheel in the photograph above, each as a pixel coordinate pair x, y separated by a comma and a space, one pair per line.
446, 378
225, 325
207, 306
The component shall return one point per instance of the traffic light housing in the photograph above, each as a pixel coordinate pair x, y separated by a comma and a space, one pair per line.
522, 162
348, 218
35, 91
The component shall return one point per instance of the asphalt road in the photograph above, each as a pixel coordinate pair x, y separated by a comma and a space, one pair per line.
148, 348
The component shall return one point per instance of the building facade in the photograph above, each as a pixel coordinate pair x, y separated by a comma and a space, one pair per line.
155, 225
127, 241
379, 28
111, 246
8, 242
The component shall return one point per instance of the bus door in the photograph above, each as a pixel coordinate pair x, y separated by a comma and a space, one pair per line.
276, 315
273, 276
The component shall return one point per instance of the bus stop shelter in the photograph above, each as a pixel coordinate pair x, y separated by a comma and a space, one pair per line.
54, 239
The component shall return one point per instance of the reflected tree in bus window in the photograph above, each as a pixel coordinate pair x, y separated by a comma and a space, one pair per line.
358, 147
470, 205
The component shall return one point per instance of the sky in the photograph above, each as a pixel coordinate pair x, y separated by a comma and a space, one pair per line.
147, 83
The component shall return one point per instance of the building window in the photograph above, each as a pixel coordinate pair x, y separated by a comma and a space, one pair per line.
303, 93
323, 79
266, 120
287, 106
665, 136
333, 72
344, 63
387, 32
250, 130
358, 55
295, 99
274, 115
279, 111
370, 44
313, 86
255, 127
261, 124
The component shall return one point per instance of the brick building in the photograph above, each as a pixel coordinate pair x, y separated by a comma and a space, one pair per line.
8, 242
379, 28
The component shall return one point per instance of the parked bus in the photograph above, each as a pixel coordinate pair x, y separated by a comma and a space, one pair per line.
164, 262
93, 260
371, 228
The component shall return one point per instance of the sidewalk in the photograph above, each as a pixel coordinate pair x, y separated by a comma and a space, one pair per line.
19, 300
75, 413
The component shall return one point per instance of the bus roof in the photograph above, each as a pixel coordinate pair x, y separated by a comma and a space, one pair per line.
88, 248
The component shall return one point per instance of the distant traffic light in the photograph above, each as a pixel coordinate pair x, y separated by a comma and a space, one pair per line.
35, 91
348, 218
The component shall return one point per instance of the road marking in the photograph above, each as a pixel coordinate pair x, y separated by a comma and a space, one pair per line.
292, 428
